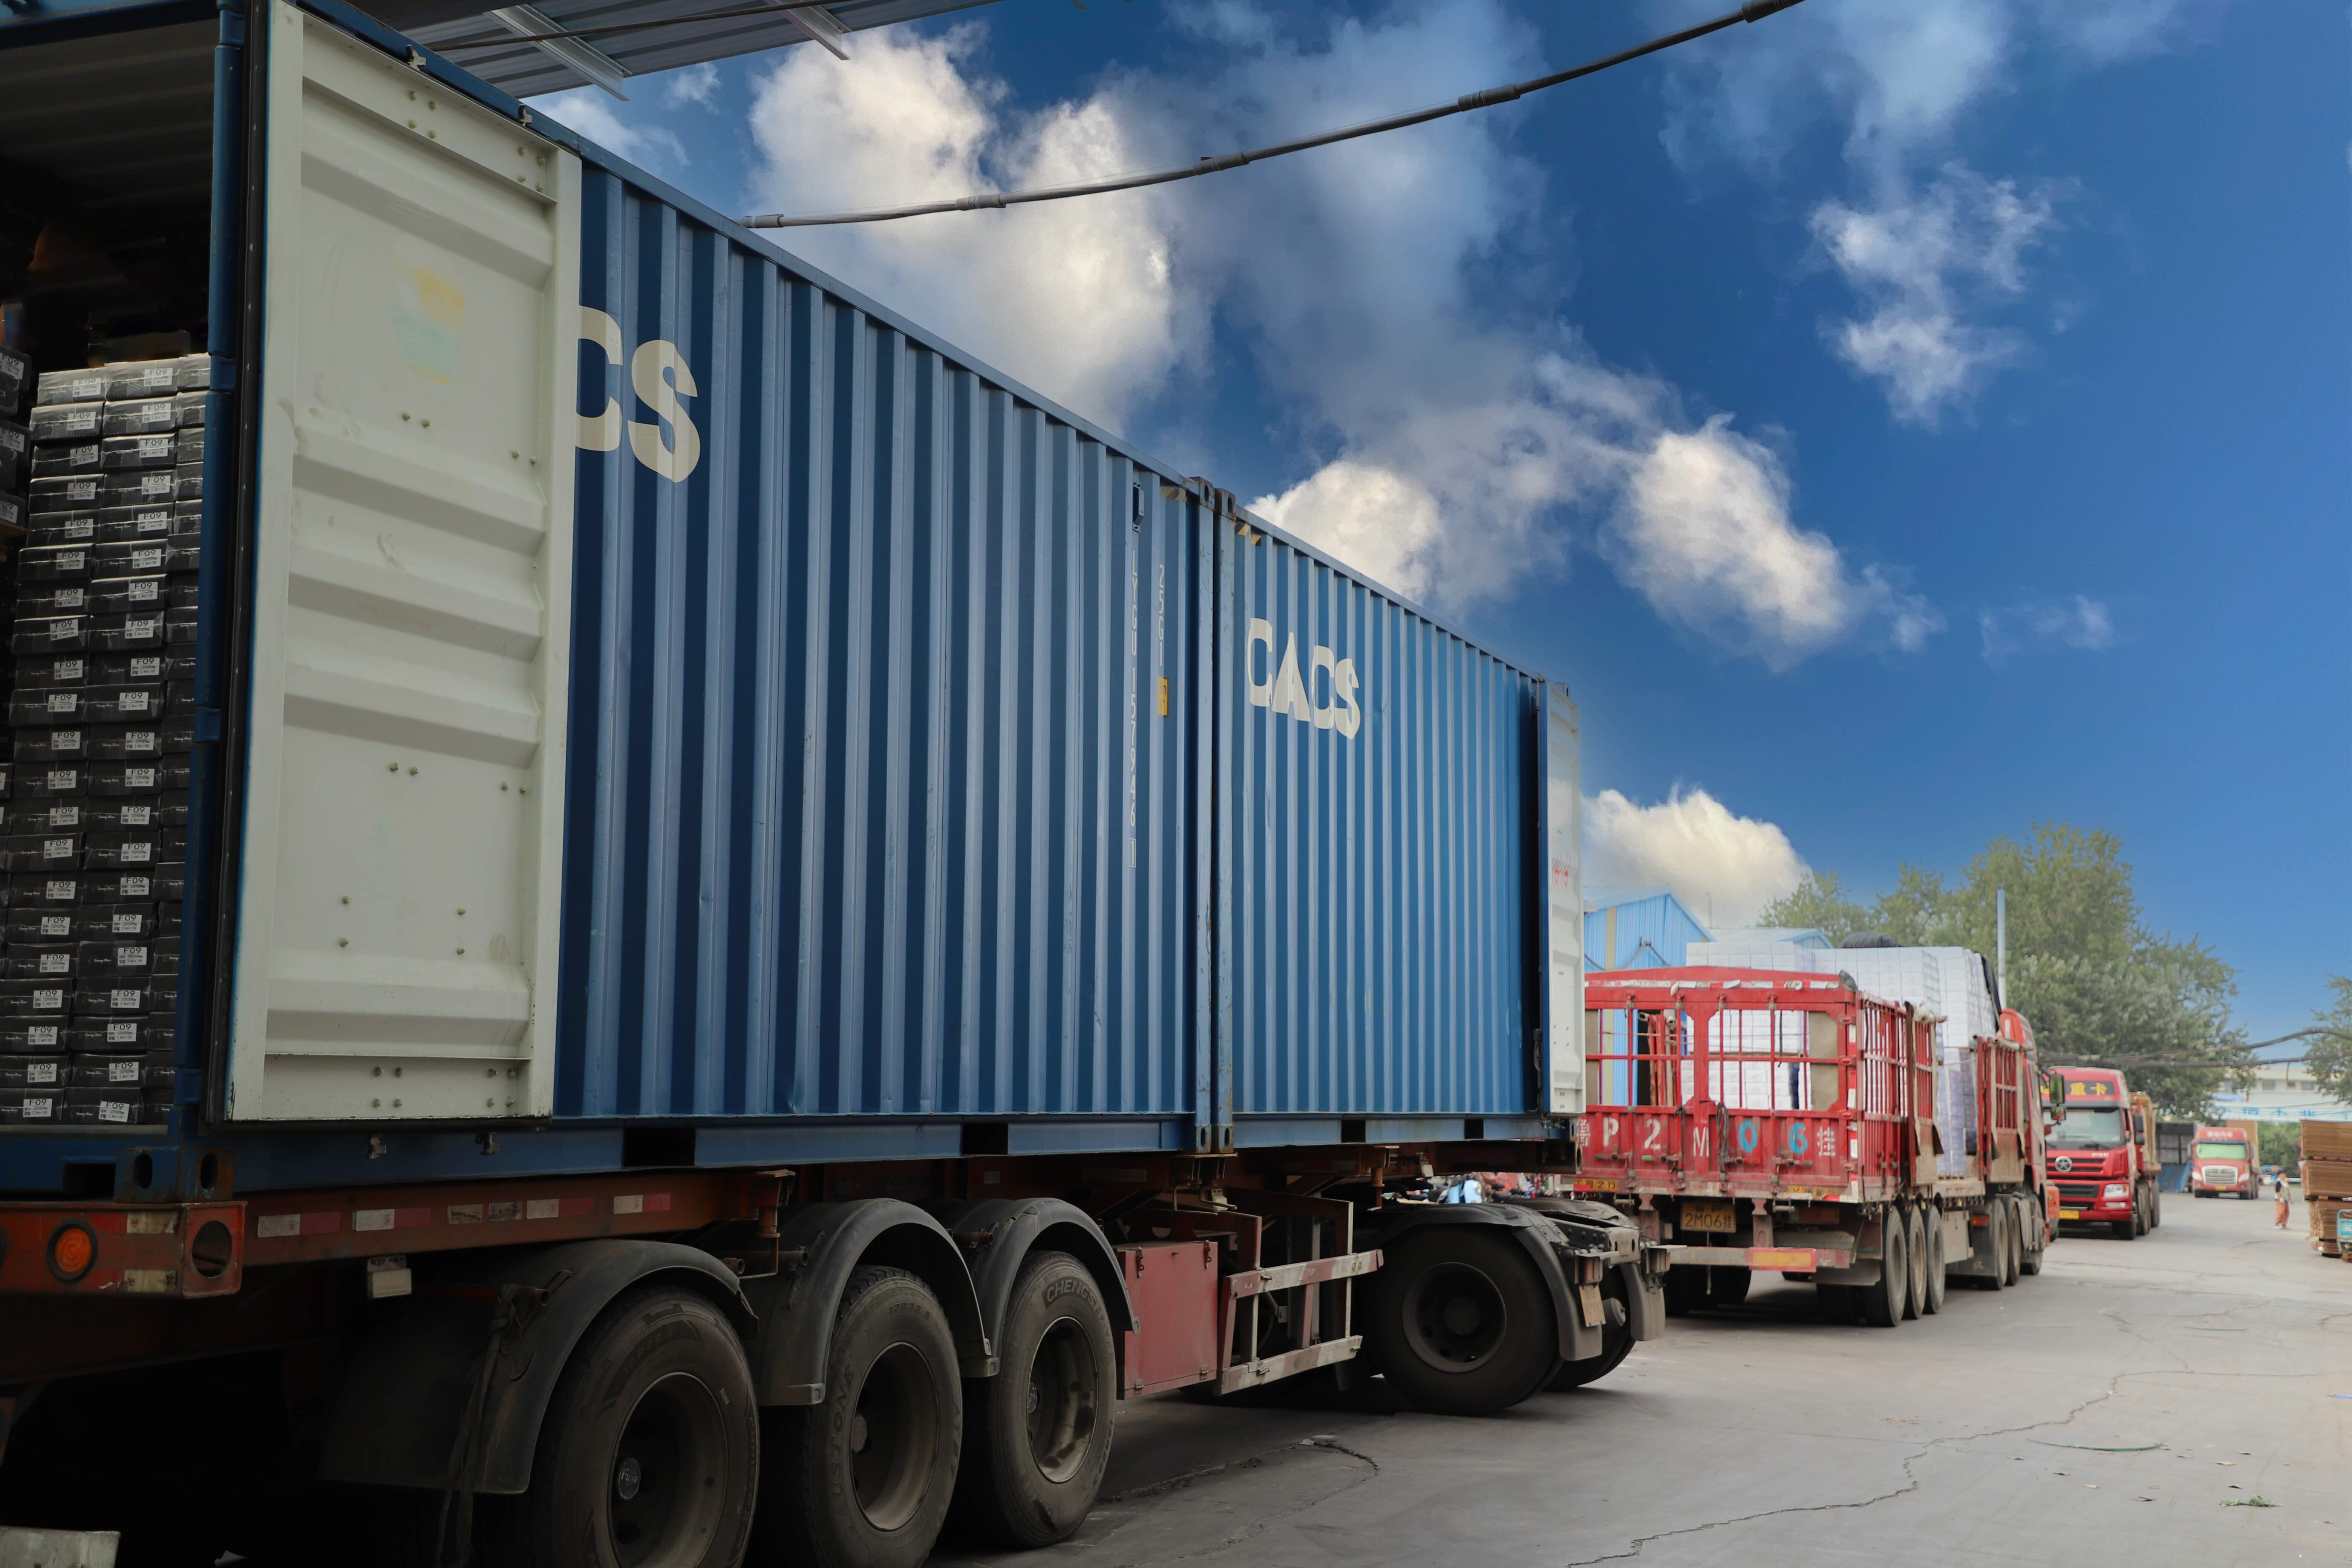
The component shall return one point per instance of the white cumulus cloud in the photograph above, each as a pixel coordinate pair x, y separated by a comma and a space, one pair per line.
1931, 250
696, 84
2075, 621
1705, 534
1918, 263
1077, 299
1724, 867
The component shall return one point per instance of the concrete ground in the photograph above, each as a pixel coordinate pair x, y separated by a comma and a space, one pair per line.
2112, 1410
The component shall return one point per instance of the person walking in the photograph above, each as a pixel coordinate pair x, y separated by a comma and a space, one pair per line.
2278, 1186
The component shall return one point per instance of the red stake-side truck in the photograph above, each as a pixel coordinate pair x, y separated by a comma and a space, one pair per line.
2102, 1157
1764, 1121
2221, 1162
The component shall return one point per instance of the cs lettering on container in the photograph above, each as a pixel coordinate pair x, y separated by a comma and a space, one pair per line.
659, 376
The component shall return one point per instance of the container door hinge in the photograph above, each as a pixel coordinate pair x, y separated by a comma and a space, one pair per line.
232, 27
208, 725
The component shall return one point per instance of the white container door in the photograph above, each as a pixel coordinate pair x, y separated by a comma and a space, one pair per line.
411, 600
1563, 907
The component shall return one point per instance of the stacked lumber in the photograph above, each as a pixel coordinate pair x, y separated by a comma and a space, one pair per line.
2326, 1179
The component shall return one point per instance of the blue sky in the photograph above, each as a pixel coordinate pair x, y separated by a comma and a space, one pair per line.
1899, 423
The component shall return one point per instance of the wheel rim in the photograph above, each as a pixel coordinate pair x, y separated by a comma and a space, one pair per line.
894, 1436
1063, 1385
1455, 1316
665, 1491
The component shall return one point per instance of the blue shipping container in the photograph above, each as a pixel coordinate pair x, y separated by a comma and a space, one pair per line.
923, 758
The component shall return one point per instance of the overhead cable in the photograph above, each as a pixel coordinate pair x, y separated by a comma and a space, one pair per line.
1749, 11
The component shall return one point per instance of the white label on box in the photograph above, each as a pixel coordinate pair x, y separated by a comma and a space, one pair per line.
139, 778
143, 590
123, 1072
114, 1111
39, 1108
119, 1033
122, 1001
135, 702
57, 848
134, 888
131, 957
64, 778
41, 1035
146, 665
41, 1072
56, 963
60, 631
64, 701
63, 892
57, 925
138, 853
49, 998
137, 815
127, 925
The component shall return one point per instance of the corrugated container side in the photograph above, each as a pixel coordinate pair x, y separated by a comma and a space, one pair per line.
875, 806
1378, 823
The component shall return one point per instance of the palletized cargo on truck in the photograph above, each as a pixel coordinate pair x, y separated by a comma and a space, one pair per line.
676, 798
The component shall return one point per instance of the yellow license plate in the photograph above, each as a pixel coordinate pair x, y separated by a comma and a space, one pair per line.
1708, 1214
2070, 1214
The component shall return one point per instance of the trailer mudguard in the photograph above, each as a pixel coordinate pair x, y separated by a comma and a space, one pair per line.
405, 1411
1539, 1233
1598, 1224
823, 1245
999, 1234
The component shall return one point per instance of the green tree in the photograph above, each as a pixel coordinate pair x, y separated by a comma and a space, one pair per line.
1817, 904
2330, 1056
2280, 1144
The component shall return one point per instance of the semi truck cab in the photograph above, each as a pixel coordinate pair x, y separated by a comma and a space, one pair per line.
2221, 1160
2099, 1161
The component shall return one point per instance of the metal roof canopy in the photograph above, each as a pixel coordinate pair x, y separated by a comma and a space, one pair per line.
486, 41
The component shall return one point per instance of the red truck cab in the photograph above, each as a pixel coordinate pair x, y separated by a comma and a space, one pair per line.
2099, 1160
2221, 1159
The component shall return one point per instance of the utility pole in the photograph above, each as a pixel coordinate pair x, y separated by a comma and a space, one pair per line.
2001, 947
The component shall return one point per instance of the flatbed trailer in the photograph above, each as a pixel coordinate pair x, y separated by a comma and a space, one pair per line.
1776, 1121
746, 895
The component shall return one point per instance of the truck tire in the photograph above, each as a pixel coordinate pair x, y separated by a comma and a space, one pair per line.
2155, 1207
2036, 1232
1931, 1230
2013, 1260
1915, 1243
650, 1449
1885, 1303
1459, 1320
864, 1480
2126, 1229
1616, 1340
1037, 1435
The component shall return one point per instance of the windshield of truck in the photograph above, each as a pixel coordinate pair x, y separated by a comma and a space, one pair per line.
2089, 1127
2218, 1150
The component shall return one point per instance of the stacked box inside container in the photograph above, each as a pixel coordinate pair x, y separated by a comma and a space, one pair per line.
101, 724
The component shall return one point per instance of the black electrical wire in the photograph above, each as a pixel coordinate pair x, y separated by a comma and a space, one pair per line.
1749, 11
